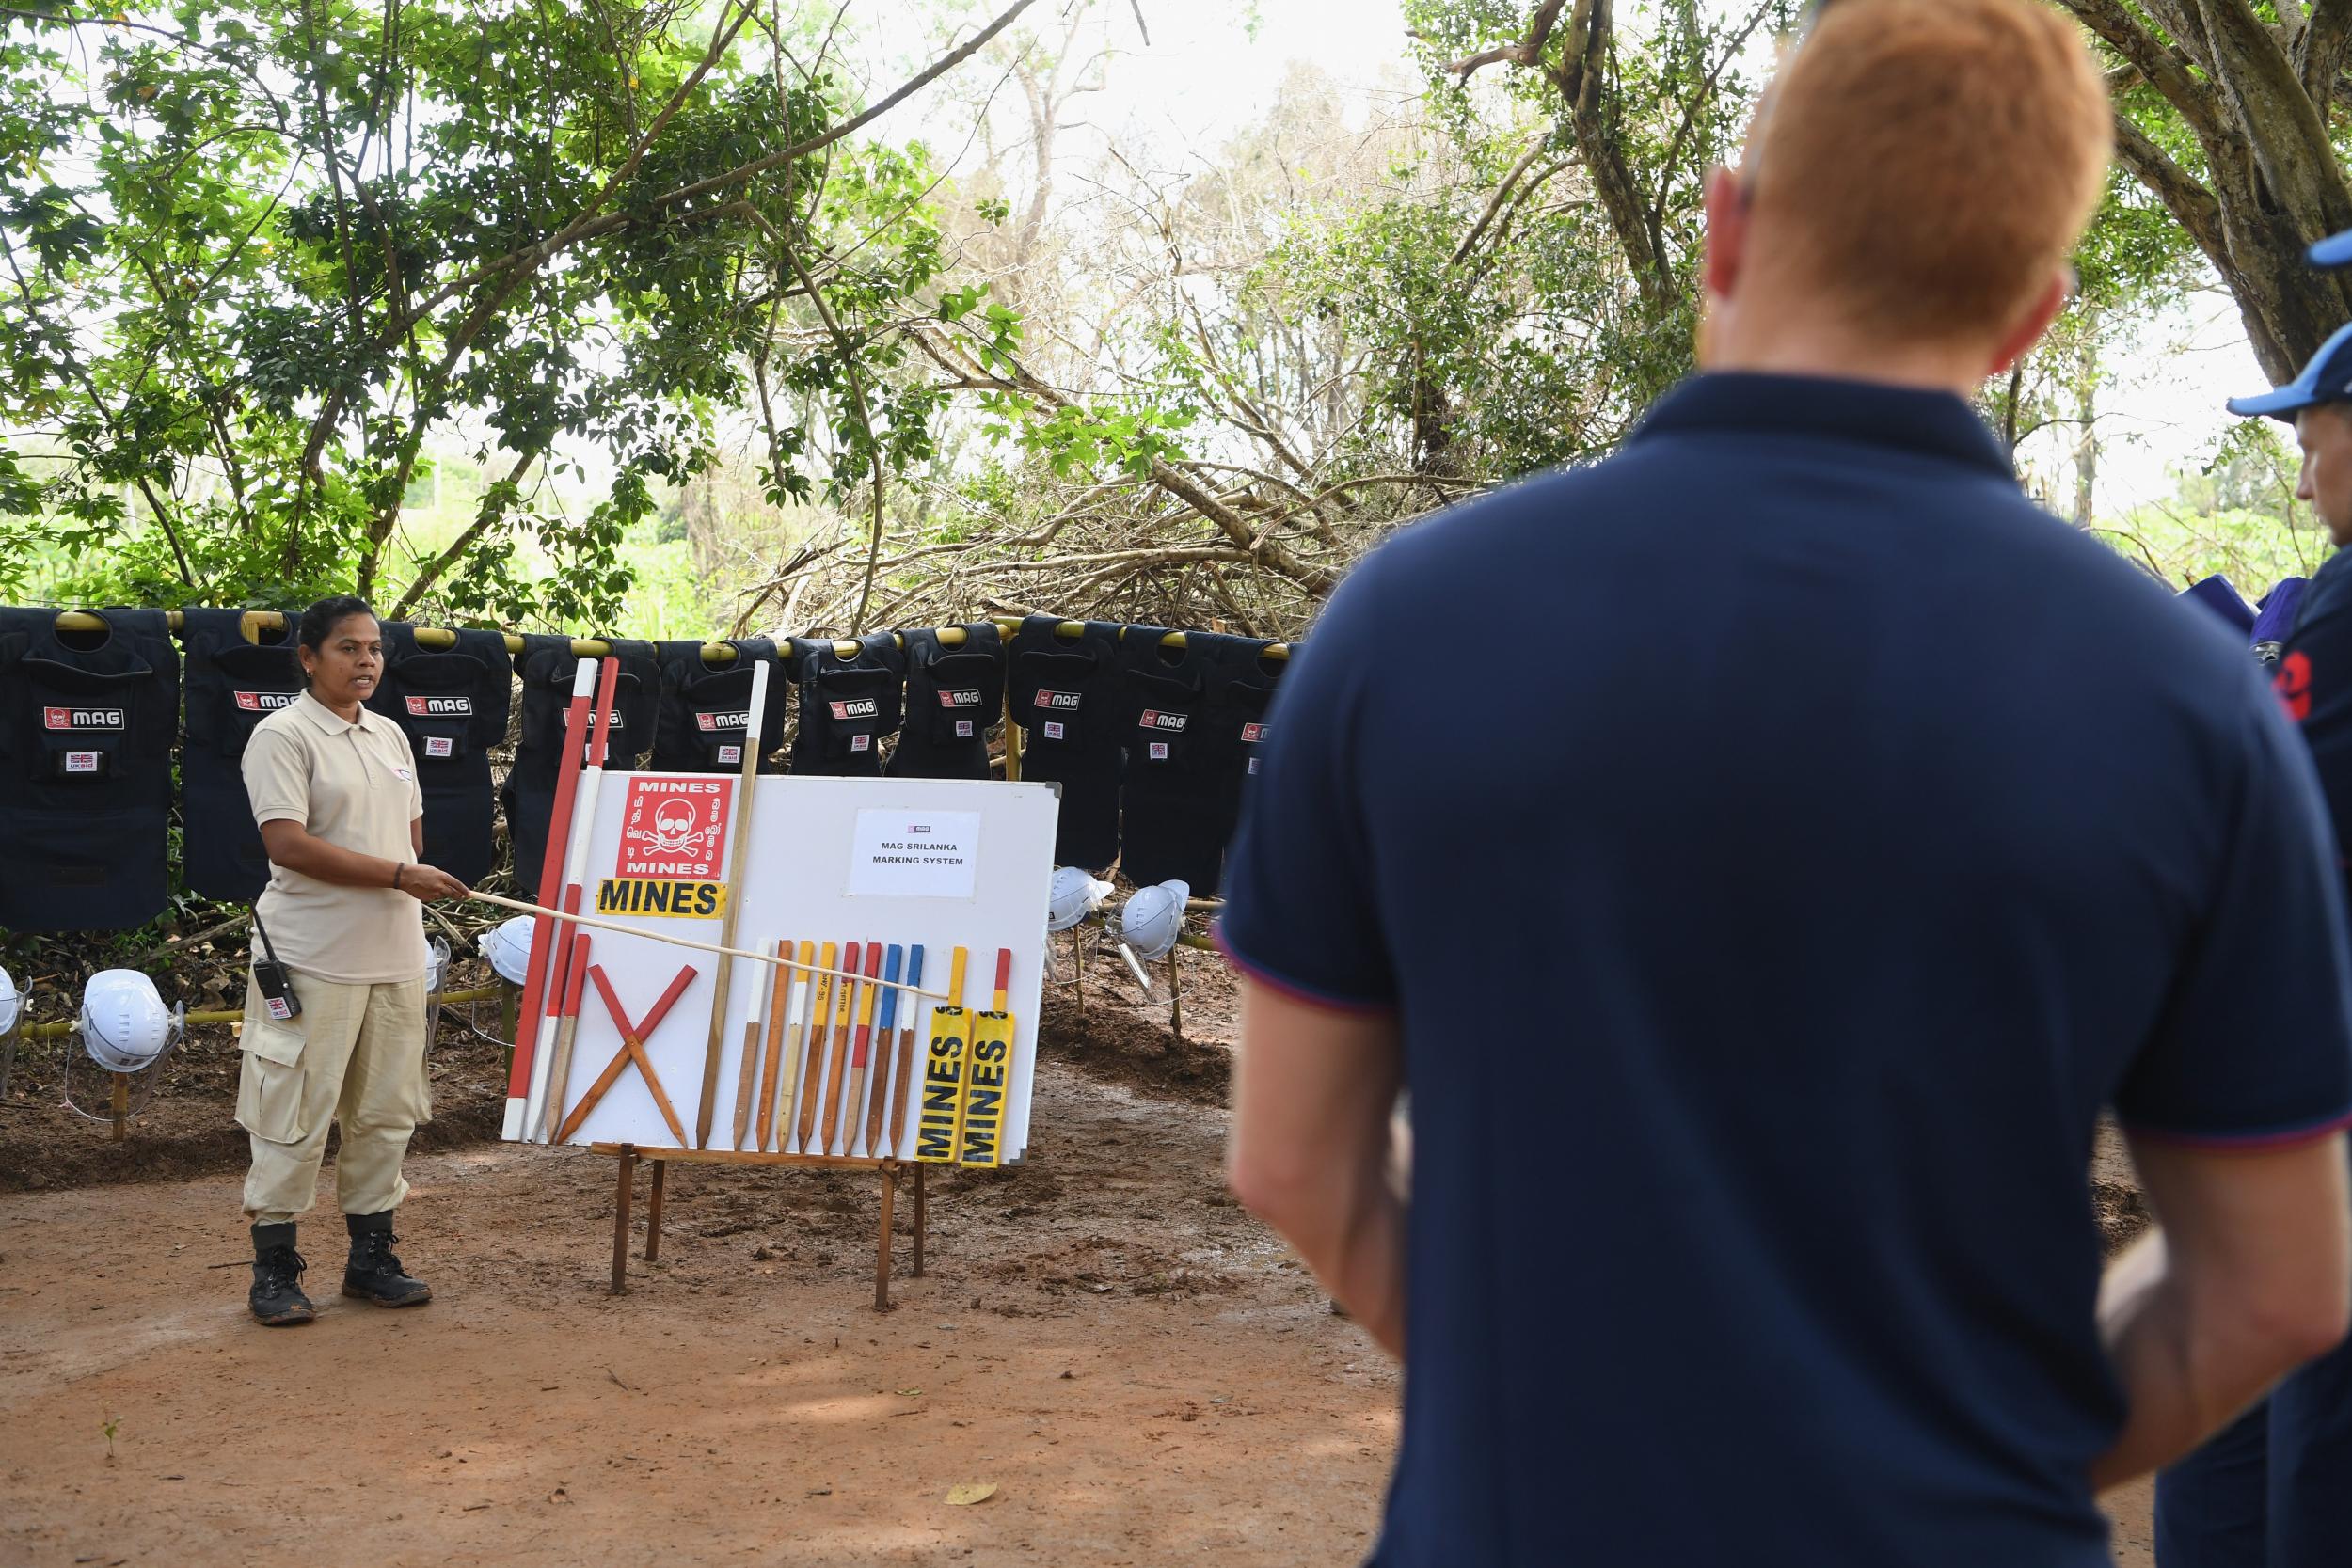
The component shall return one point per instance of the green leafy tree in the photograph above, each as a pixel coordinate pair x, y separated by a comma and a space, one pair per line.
256, 262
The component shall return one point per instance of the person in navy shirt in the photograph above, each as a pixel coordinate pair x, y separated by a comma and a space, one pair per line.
2274, 1489
1764, 911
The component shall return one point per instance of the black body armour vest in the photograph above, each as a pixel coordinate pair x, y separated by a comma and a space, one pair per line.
847, 706
232, 685
1066, 699
953, 696
700, 729
86, 725
453, 704
1192, 722
546, 666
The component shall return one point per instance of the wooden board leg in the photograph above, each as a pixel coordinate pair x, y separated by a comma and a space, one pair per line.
919, 1222
882, 1249
628, 1180
653, 1212
121, 1106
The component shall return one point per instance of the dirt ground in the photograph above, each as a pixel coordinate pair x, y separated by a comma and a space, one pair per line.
1137, 1367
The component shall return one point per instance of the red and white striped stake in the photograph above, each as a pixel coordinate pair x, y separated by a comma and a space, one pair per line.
543, 937
578, 830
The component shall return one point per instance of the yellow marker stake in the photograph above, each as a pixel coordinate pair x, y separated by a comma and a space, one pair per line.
987, 1079
943, 1074
795, 1045
820, 1025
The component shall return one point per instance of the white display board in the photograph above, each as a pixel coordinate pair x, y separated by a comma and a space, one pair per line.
939, 863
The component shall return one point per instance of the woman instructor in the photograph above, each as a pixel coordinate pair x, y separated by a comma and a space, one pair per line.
334, 788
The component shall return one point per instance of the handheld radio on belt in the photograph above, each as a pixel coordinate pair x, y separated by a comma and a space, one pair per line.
270, 976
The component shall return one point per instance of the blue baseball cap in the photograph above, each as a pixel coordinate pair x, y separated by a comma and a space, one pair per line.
2327, 379
2332, 252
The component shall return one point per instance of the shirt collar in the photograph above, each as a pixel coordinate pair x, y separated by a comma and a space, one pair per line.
327, 721
1936, 424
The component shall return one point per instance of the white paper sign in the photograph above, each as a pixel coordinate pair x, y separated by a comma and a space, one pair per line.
903, 854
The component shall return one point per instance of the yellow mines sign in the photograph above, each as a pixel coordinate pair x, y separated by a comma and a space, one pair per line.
942, 1088
677, 898
980, 1127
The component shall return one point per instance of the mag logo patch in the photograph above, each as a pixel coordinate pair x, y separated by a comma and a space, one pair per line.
1066, 702
1154, 720
970, 697
263, 702
1253, 731
82, 719
855, 707
441, 707
711, 724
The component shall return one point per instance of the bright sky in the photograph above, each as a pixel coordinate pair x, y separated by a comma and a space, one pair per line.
1208, 71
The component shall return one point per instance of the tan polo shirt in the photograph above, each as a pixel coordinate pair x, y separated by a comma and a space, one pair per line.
354, 786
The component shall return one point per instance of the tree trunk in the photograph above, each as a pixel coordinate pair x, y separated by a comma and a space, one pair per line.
2244, 90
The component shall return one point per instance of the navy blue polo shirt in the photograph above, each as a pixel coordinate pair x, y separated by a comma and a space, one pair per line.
2313, 677
1777, 844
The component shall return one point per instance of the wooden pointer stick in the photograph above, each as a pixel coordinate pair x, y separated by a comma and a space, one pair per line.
566, 1030
595, 924
881, 1046
895, 1130
773, 1065
844, 1025
746, 1084
632, 1050
812, 1068
725, 974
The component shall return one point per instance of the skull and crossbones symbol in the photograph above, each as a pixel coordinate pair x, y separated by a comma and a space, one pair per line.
676, 826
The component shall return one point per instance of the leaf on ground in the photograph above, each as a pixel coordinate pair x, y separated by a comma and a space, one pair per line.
972, 1492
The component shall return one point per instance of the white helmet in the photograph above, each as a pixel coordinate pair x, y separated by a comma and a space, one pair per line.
507, 946
1153, 918
9, 1002
1075, 895
435, 961
125, 1025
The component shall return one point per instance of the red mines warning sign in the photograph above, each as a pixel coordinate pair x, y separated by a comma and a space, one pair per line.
675, 828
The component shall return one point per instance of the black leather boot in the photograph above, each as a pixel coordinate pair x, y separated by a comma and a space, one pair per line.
373, 1273
277, 1299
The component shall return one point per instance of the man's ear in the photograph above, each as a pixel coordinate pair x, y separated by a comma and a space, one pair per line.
1726, 231
2019, 339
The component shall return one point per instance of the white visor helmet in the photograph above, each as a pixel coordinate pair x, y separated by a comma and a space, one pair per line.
1074, 896
507, 947
435, 964
1153, 918
10, 1002
124, 1024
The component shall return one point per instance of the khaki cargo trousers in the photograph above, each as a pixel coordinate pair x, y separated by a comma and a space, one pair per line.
353, 1055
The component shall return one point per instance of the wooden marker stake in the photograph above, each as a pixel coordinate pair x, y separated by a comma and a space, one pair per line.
566, 1031
796, 1044
812, 1066
881, 1080
634, 1036
526, 1031
778, 997
837, 1063
746, 1077
894, 1126
724, 975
